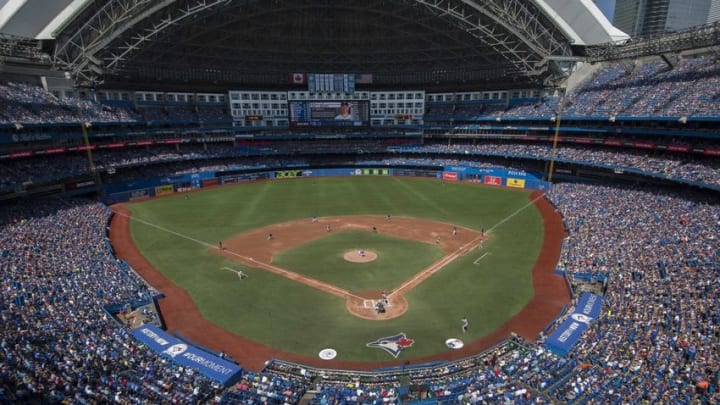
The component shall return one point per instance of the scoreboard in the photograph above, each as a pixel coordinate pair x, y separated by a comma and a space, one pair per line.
331, 83
328, 113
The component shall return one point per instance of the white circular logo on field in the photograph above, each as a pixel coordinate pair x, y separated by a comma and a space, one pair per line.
454, 343
327, 354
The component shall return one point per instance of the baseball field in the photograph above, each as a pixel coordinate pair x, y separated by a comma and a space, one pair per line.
318, 253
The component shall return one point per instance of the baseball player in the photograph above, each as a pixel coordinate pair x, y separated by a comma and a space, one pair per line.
464, 323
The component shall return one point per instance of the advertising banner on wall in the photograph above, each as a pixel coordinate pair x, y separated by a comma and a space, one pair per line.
157, 181
163, 190
498, 177
450, 176
568, 333
185, 354
493, 180
513, 182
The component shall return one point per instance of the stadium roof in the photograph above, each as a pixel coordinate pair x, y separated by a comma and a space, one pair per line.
262, 41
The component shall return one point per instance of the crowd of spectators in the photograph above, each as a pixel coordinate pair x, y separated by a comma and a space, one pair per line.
644, 89
42, 169
225, 156
25, 103
649, 88
657, 340
183, 113
58, 344
210, 113
679, 167
199, 157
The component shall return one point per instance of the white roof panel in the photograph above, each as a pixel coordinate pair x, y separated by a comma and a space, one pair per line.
582, 21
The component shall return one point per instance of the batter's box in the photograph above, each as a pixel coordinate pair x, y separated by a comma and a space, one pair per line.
370, 304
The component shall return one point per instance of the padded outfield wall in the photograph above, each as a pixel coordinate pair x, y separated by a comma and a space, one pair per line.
159, 186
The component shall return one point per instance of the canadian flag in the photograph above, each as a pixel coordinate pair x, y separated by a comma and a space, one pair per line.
297, 78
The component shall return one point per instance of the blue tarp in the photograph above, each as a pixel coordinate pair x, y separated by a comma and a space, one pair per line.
568, 333
209, 365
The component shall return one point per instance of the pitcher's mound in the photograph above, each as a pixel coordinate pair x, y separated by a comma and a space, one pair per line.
360, 256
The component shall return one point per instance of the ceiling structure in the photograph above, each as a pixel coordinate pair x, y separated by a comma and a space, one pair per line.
260, 42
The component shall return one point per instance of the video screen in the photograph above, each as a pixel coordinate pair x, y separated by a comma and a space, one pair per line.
329, 113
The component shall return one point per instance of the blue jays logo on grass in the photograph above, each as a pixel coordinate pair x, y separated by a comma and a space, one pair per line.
392, 344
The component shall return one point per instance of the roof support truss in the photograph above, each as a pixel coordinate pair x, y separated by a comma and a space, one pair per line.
79, 52
511, 27
515, 29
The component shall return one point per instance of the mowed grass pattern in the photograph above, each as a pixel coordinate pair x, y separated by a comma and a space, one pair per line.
296, 318
397, 261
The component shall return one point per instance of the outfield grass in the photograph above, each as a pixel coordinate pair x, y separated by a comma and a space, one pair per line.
397, 261
175, 234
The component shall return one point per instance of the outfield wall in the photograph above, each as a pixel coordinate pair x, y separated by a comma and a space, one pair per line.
160, 186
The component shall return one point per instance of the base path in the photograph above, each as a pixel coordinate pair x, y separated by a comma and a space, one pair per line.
258, 247
181, 315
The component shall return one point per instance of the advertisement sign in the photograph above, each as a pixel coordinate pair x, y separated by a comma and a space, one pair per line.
210, 182
53, 151
164, 190
568, 333
376, 172
513, 182
644, 145
329, 113
286, 174
678, 148
208, 364
450, 176
80, 184
138, 194
242, 178
492, 180
25, 153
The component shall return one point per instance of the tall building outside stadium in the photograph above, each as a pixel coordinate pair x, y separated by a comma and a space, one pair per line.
640, 18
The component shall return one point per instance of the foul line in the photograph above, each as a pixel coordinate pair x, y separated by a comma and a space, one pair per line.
480, 258
310, 282
317, 284
440, 264
142, 221
432, 269
519, 210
